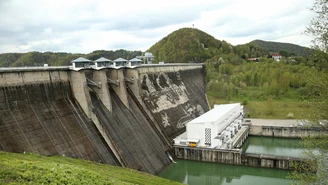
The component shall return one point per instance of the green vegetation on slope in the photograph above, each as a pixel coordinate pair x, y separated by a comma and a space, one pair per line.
269, 109
193, 45
230, 76
257, 81
268, 89
188, 45
314, 168
249, 50
283, 48
35, 169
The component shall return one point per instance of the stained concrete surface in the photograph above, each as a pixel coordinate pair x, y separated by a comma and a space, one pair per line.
174, 98
45, 119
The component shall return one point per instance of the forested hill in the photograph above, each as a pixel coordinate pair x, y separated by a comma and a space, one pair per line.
188, 45
282, 48
59, 59
181, 46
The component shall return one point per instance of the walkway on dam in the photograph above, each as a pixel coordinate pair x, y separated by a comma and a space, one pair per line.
274, 122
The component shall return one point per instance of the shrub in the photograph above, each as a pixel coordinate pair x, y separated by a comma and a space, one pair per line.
290, 115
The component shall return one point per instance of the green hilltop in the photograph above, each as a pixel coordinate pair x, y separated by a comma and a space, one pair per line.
36, 169
193, 45
188, 45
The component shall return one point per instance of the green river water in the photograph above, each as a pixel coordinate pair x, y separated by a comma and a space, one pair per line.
199, 173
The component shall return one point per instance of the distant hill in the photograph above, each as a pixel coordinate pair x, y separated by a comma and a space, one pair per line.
277, 47
59, 59
181, 46
188, 45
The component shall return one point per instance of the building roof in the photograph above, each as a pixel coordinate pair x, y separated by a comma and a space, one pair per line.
216, 113
276, 54
120, 60
149, 54
195, 140
135, 60
102, 59
81, 59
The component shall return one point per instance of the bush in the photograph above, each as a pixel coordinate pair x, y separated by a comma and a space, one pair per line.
290, 115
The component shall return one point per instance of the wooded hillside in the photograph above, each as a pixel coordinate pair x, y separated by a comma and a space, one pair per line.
59, 59
181, 46
286, 49
188, 45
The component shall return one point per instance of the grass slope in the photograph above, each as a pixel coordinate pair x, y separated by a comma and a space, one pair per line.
36, 169
277, 109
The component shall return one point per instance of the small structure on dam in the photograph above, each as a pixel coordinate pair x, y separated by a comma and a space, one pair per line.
120, 62
102, 62
219, 128
134, 62
81, 63
148, 58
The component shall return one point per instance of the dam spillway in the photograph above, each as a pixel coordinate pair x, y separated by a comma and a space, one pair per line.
127, 117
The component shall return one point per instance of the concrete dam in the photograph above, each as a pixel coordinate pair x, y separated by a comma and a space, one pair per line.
125, 117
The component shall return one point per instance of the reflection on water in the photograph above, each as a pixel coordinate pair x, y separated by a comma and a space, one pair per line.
273, 146
193, 172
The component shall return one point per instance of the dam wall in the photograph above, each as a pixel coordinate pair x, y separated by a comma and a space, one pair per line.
234, 156
44, 118
124, 117
285, 132
23, 77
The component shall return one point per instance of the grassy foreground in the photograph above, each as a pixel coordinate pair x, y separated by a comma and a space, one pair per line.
37, 169
276, 109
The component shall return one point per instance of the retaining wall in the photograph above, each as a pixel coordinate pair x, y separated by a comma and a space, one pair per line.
286, 132
233, 157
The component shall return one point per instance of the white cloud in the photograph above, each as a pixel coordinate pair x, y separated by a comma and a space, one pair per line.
82, 26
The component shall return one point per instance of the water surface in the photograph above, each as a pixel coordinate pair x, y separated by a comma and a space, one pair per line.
273, 146
199, 173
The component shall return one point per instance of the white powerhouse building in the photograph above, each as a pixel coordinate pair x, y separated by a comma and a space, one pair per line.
214, 129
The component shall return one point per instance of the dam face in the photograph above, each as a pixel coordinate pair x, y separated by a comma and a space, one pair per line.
124, 117
44, 118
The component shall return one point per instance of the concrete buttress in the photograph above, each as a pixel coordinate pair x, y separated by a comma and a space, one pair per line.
119, 87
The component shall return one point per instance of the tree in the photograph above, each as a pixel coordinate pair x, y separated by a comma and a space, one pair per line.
314, 168
284, 53
318, 26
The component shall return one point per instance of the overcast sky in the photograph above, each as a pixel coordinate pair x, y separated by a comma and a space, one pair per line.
82, 26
